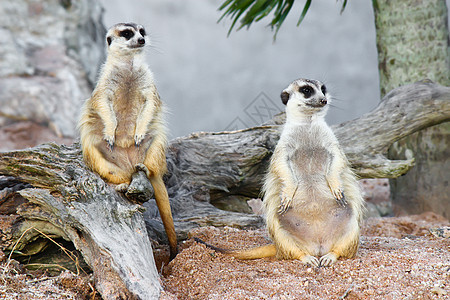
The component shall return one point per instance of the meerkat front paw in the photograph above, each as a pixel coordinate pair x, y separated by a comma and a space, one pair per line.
334, 185
342, 202
337, 192
138, 139
285, 203
110, 140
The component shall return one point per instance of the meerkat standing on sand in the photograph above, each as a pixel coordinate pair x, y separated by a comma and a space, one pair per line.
121, 127
312, 201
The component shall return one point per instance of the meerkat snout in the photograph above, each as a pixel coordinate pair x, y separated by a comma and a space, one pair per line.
316, 103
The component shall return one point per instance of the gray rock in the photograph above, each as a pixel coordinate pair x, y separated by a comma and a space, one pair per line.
49, 56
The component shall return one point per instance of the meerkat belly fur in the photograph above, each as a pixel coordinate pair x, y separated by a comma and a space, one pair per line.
312, 201
122, 128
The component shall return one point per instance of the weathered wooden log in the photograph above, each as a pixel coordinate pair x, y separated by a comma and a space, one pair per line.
402, 111
71, 202
66, 199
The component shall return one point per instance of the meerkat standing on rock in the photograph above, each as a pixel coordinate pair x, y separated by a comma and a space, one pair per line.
121, 127
312, 201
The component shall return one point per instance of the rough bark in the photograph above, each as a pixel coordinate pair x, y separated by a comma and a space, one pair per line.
413, 43
67, 200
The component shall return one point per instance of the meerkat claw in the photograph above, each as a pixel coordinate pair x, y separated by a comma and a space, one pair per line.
138, 140
342, 202
282, 209
334, 184
311, 261
327, 260
285, 203
110, 142
337, 193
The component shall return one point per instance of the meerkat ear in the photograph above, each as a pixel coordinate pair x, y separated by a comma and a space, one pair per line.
284, 97
109, 40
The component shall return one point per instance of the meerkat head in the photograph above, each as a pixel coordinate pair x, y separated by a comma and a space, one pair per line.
126, 38
305, 97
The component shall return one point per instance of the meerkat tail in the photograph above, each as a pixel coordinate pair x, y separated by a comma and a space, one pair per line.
162, 200
253, 253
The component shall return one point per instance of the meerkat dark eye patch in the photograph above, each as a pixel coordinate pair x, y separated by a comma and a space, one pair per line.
109, 40
306, 90
127, 33
284, 97
142, 31
324, 89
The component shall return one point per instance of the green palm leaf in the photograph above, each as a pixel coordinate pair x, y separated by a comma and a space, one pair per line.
250, 11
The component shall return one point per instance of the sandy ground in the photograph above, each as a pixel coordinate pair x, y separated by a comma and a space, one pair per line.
398, 259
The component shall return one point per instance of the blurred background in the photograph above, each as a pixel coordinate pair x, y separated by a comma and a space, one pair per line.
52, 50
211, 82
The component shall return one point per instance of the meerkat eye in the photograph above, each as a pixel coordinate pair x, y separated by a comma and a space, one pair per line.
307, 91
324, 89
127, 33
109, 40
142, 31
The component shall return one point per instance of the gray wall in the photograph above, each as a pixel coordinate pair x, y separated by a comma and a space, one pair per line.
211, 82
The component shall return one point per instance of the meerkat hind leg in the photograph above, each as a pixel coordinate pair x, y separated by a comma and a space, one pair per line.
346, 246
305, 257
108, 170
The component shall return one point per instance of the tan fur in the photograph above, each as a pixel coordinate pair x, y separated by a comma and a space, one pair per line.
312, 200
122, 125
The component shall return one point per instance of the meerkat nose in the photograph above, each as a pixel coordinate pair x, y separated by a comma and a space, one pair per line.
323, 101
141, 41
